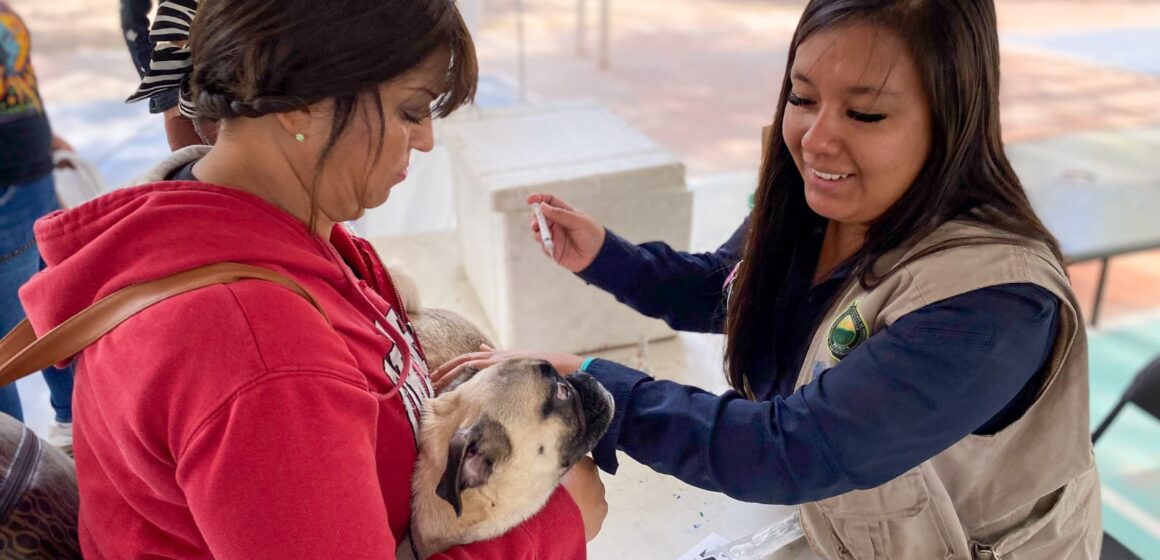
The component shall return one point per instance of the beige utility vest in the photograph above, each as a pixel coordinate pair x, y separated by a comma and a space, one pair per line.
1029, 492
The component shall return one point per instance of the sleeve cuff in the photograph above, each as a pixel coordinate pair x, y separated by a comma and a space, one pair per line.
620, 381
608, 270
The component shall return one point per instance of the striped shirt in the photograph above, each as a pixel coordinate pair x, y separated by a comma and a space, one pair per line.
171, 62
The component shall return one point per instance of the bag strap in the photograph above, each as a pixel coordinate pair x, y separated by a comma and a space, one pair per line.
22, 353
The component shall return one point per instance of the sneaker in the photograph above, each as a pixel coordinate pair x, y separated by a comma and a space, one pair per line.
60, 436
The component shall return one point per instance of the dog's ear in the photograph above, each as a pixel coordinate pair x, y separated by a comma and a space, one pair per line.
472, 455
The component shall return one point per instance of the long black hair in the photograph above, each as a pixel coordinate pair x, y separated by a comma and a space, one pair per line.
955, 47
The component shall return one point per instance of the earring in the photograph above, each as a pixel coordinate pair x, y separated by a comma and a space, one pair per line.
300, 137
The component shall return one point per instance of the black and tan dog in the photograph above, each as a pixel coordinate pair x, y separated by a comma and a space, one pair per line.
493, 447
492, 450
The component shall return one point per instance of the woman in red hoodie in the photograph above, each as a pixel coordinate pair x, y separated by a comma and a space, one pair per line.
235, 421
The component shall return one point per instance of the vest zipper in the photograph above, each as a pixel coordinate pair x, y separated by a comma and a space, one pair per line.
1057, 358
985, 552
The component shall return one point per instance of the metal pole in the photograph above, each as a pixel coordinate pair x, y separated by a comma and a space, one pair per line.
581, 28
521, 56
605, 17
1100, 290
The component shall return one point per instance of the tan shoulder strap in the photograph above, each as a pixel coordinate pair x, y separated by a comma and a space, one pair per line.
21, 353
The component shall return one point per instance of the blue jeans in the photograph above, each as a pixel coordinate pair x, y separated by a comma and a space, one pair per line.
135, 24
20, 206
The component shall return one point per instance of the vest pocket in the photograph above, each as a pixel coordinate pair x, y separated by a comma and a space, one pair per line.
897, 521
1066, 512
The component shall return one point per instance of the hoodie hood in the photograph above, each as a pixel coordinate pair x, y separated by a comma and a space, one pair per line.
143, 233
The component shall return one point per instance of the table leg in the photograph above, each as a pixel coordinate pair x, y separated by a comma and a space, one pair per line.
581, 27
605, 23
521, 53
1100, 290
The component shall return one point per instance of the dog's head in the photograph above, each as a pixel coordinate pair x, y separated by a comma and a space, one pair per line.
525, 424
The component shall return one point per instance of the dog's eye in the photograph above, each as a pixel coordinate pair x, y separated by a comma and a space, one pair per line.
563, 390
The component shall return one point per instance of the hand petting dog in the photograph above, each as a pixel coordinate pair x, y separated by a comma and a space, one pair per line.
447, 373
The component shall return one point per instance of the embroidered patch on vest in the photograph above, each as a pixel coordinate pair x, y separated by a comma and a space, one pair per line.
848, 331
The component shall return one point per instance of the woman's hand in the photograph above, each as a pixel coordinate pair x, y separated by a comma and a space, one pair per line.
61, 145
486, 357
577, 236
583, 483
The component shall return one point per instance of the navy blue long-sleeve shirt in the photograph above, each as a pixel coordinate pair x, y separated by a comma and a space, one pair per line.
968, 364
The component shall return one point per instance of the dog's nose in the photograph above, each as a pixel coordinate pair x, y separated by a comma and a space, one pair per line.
585, 383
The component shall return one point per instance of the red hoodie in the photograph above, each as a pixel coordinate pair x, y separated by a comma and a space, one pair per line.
233, 421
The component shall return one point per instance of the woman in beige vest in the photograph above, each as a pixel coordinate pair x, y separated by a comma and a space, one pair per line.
908, 359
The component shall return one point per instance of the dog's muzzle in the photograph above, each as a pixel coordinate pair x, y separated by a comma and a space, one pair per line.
597, 404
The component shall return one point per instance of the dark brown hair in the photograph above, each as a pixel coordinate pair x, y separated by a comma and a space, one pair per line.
955, 47
255, 57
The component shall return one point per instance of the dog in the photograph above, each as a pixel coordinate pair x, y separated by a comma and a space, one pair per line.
492, 450
444, 334
493, 446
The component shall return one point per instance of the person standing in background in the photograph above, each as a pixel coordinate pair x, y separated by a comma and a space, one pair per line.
135, 28
161, 57
27, 192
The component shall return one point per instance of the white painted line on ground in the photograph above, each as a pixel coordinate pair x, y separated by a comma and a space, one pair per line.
1138, 517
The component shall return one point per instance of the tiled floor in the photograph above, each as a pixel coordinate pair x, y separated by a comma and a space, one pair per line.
1079, 101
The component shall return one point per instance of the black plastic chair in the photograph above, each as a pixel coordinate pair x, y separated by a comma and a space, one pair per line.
1113, 550
1144, 392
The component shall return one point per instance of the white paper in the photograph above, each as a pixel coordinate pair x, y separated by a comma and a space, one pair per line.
708, 543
